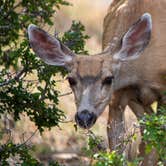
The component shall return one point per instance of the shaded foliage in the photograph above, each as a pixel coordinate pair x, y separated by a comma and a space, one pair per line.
18, 93
154, 137
155, 132
22, 151
27, 85
74, 38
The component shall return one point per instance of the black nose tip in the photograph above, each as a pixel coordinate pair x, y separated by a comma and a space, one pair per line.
85, 119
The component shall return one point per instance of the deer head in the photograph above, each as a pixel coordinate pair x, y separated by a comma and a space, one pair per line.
93, 79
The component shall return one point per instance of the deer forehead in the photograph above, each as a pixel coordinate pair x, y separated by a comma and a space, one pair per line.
89, 66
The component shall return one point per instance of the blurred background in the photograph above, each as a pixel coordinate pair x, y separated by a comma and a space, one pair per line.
91, 16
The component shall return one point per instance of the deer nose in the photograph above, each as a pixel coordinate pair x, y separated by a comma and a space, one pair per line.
85, 119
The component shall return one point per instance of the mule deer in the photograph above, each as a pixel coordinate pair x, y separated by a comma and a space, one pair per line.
118, 78
151, 65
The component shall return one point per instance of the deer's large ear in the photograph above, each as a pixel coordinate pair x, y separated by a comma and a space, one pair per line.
136, 39
49, 49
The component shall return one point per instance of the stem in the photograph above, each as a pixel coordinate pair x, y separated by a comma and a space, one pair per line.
65, 94
16, 78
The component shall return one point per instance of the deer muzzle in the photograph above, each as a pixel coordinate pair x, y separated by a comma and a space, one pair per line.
85, 119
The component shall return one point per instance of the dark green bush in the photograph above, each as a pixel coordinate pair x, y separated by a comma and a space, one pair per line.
18, 94
17, 61
155, 132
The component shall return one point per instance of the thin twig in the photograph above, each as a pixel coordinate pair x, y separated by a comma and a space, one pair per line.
65, 94
31, 81
28, 138
67, 121
16, 78
17, 5
44, 92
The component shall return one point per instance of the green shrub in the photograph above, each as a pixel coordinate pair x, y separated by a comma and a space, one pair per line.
18, 94
155, 132
154, 137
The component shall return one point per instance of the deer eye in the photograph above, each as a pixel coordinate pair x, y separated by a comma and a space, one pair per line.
72, 81
107, 80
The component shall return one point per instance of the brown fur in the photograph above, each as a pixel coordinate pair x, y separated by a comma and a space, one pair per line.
120, 17
89, 66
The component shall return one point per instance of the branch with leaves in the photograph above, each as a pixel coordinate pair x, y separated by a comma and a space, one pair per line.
17, 62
